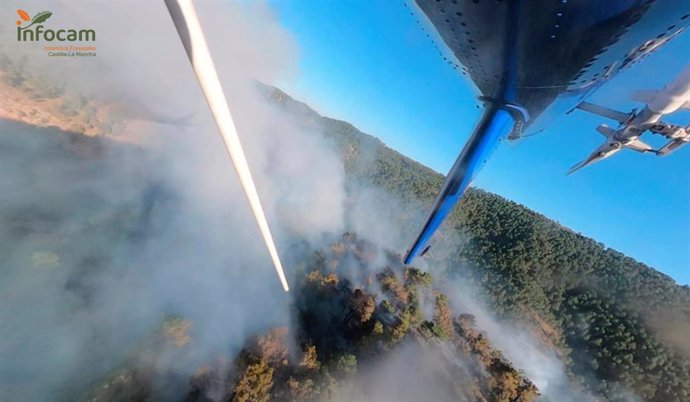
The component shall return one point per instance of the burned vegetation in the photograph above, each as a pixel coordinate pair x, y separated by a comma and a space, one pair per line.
355, 309
364, 327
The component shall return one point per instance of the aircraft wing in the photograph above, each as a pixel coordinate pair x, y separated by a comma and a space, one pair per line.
605, 112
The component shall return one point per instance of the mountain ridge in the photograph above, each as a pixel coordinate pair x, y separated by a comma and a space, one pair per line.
296, 106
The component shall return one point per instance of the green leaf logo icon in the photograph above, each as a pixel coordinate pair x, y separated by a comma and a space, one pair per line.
41, 17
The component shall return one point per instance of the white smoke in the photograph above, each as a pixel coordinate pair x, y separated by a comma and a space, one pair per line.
519, 345
102, 241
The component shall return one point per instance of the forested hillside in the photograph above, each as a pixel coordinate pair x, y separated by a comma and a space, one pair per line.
367, 341
620, 325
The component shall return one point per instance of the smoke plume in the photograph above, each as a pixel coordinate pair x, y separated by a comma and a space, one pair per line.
103, 241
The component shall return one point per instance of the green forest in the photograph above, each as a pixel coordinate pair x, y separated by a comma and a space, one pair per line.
618, 324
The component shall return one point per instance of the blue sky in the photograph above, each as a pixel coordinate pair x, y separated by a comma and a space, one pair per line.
370, 63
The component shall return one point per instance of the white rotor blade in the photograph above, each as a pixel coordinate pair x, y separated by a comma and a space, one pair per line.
189, 28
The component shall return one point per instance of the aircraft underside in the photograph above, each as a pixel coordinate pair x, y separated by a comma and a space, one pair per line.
524, 55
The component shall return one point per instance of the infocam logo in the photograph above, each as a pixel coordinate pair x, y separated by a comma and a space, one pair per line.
35, 31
